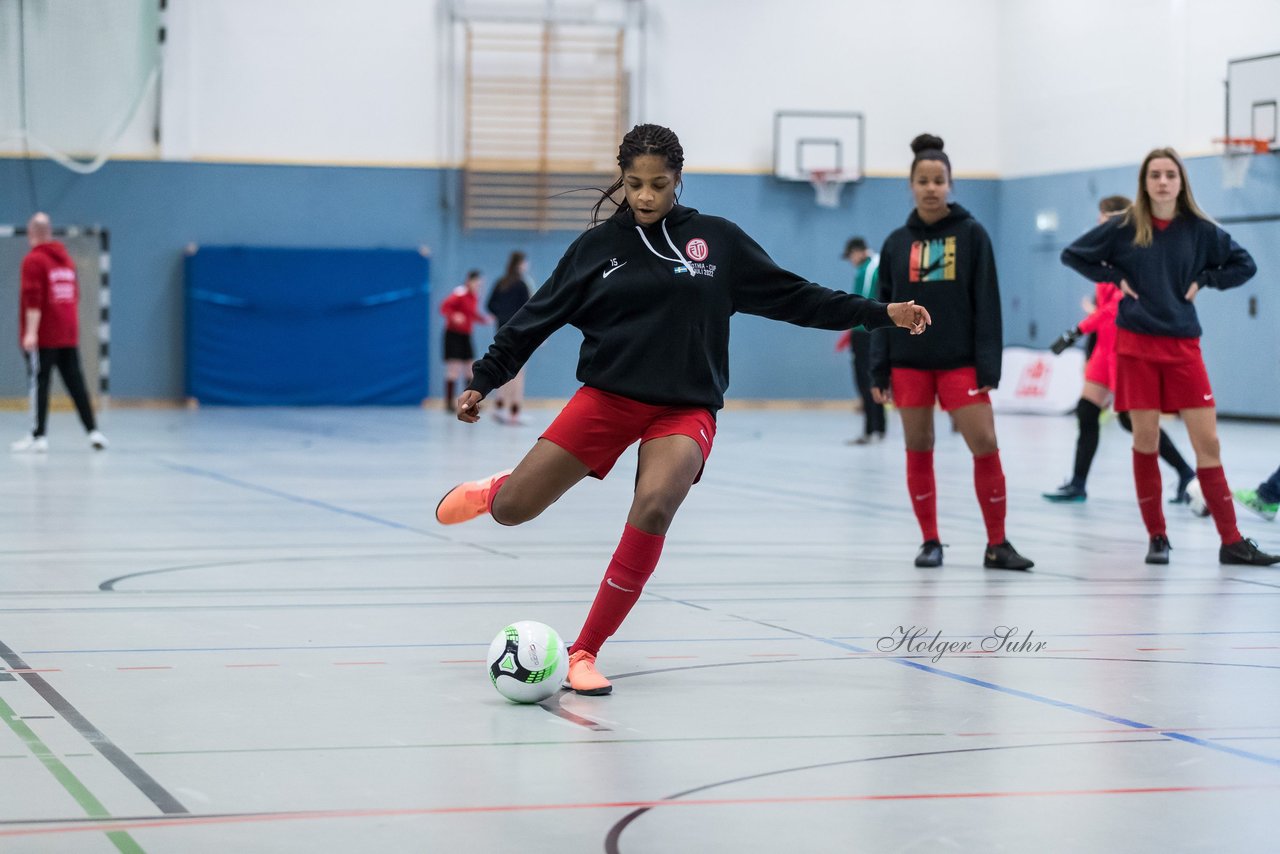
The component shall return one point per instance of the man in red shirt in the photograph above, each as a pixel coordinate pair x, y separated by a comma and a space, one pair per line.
49, 330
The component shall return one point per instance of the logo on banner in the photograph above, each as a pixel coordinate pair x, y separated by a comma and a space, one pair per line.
697, 249
1034, 380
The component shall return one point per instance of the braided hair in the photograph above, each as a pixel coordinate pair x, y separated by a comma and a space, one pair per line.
639, 141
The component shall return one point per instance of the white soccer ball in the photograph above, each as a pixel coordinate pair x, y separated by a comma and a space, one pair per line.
1195, 499
528, 662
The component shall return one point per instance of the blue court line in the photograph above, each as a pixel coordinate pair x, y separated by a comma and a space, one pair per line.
1027, 695
612, 642
298, 499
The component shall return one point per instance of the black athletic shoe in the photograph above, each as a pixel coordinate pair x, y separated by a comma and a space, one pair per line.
1158, 550
1246, 552
1181, 497
1067, 493
930, 554
1005, 556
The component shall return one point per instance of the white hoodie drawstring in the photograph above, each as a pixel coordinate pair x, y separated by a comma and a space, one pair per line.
679, 259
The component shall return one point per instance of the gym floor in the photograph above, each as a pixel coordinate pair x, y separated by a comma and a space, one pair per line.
242, 630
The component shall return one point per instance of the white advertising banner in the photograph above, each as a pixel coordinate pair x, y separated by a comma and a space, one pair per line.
1038, 382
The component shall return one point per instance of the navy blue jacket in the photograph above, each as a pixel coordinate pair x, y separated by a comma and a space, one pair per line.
653, 305
505, 302
1189, 250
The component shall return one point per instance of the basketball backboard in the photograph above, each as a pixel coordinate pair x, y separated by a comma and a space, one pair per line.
1253, 92
806, 142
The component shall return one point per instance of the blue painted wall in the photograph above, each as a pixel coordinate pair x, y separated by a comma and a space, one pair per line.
155, 209
1042, 298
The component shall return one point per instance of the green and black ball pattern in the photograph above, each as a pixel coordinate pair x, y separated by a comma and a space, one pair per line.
508, 664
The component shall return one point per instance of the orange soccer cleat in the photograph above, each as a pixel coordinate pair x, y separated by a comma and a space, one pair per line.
583, 676
467, 500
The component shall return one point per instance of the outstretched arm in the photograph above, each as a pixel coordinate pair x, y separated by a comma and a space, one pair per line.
763, 288
550, 308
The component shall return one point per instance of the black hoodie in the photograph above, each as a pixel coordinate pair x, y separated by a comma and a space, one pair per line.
653, 305
947, 267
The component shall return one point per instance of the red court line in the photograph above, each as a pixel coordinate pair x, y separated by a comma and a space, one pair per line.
155, 667
33, 670
1162, 649
136, 824
345, 663
252, 665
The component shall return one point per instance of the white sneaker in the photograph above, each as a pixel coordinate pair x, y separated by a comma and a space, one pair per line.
98, 441
1195, 499
30, 445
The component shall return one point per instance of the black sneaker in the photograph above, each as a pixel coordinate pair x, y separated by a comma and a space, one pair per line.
1005, 556
1246, 552
1181, 497
930, 554
1158, 550
1069, 492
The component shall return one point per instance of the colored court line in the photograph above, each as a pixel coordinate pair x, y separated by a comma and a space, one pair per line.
722, 600
122, 762
324, 505
612, 642
578, 742
1027, 695
615, 832
247, 818
123, 842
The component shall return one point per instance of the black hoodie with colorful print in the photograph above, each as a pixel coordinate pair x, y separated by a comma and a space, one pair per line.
949, 268
653, 305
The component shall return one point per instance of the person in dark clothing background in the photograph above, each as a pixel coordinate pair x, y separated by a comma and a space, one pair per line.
865, 268
49, 327
942, 259
652, 290
508, 296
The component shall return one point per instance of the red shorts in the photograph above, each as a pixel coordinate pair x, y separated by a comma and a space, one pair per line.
954, 389
1101, 368
1166, 386
596, 427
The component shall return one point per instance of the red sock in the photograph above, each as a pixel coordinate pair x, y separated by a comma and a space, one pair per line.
923, 492
493, 493
630, 568
1217, 495
1146, 478
988, 482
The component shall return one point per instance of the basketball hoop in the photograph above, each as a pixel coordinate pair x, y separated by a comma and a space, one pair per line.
827, 185
1237, 154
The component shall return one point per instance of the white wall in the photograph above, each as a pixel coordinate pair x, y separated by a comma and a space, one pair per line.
1095, 83
719, 69
1015, 86
299, 80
